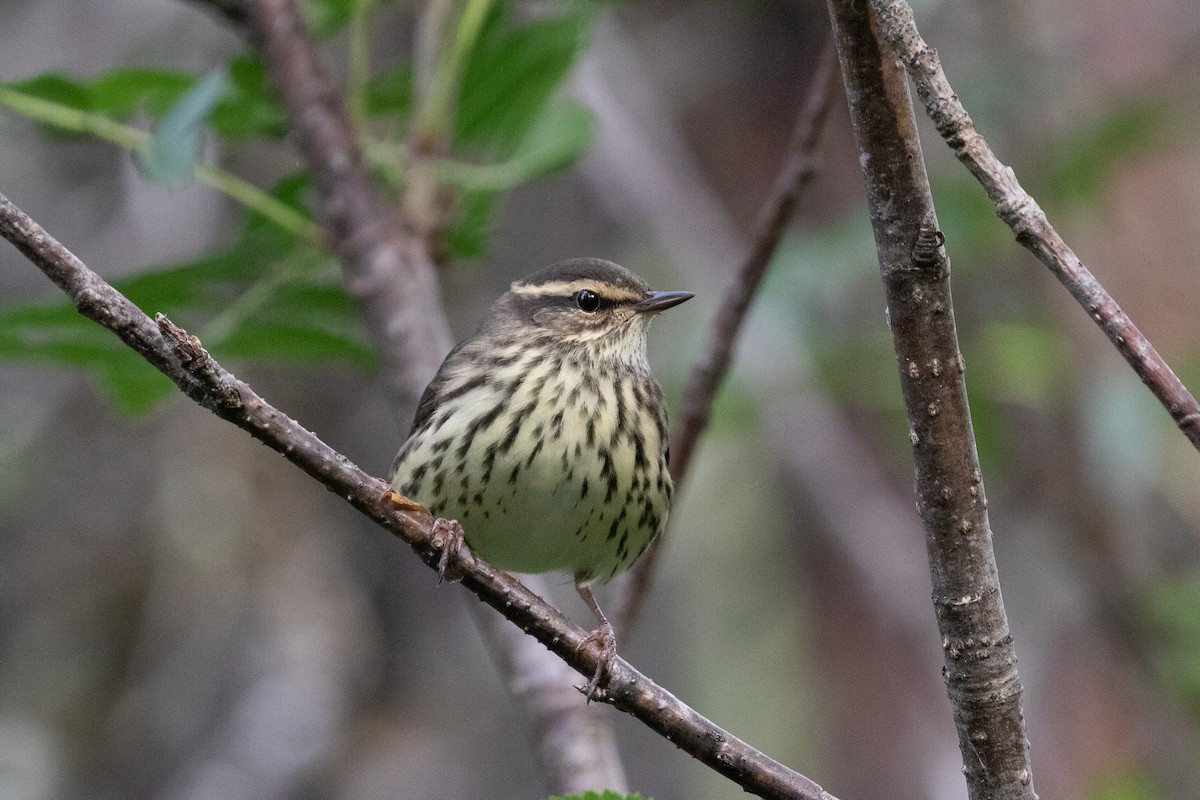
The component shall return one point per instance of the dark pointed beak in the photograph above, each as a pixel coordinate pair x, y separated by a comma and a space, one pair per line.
655, 302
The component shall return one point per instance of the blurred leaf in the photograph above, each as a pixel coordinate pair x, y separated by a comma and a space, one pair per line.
466, 236
295, 312
248, 107
60, 335
55, 88
170, 155
134, 386
1080, 163
285, 341
294, 191
327, 303
123, 92
327, 17
1172, 613
512, 73
390, 92
1127, 785
1025, 362
607, 794
507, 113
561, 134
118, 94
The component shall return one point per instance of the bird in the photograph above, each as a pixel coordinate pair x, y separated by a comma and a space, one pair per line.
542, 439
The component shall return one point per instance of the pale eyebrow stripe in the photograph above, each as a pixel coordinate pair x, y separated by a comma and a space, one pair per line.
567, 288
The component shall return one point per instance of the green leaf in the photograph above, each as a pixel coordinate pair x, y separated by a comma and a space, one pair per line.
171, 154
295, 192
122, 93
1172, 613
607, 794
55, 88
294, 341
558, 138
511, 75
248, 108
467, 234
118, 94
390, 92
134, 386
327, 17
54, 332
58, 334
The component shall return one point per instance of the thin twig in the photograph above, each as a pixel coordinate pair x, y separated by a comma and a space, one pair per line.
980, 660
1026, 219
181, 358
709, 371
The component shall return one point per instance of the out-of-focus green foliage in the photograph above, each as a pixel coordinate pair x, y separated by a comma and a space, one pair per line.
273, 293
1172, 615
118, 94
1079, 164
327, 17
265, 296
1126, 785
247, 109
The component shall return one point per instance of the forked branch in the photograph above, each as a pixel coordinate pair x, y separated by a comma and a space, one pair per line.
980, 660
1026, 219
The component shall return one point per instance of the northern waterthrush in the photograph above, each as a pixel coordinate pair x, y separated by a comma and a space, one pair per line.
545, 435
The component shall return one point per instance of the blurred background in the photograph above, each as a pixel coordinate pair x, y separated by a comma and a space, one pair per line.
184, 615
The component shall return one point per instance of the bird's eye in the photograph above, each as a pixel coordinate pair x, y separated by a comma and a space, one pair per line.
587, 300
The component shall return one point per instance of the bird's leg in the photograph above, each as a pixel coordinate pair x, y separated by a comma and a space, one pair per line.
603, 637
448, 535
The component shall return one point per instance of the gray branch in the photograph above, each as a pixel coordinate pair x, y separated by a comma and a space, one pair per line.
980, 660
1025, 217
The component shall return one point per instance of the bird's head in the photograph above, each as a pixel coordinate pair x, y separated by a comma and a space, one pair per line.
585, 303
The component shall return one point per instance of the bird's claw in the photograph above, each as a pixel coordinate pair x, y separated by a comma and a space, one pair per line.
448, 536
606, 650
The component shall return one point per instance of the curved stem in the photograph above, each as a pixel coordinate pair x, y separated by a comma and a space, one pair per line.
75, 120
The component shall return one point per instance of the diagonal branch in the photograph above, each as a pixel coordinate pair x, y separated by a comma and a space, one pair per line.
710, 369
797, 171
181, 357
1026, 219
980, 660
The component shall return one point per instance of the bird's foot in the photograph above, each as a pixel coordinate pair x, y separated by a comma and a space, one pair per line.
606, 646
448, 536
